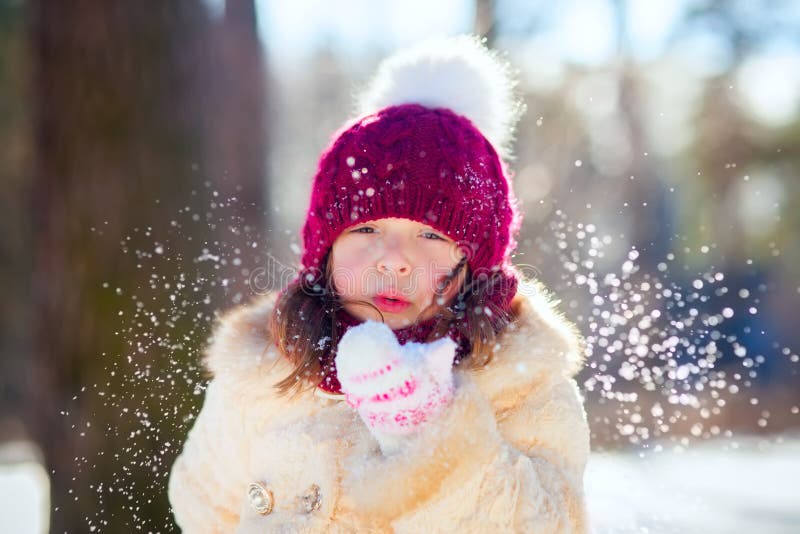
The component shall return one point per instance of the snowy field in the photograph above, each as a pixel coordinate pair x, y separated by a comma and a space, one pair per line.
24, 490
717, 487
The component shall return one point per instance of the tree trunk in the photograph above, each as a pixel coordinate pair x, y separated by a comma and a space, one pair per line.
118, 132
237, 133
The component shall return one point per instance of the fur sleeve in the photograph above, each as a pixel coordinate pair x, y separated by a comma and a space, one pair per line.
209, 467
470, 472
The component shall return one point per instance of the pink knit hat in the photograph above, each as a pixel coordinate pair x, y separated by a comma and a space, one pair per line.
423, 152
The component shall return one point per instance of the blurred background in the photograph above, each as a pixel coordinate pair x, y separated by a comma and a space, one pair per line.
156, 160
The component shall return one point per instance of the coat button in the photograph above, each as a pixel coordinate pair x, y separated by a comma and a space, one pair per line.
261, 498
311, 499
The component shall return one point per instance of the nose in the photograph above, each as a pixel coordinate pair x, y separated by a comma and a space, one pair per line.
393, 261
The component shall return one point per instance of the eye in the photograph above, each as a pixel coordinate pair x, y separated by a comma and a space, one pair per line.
431, 235
363, 230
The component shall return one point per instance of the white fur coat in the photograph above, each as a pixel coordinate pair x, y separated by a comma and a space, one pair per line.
508, 456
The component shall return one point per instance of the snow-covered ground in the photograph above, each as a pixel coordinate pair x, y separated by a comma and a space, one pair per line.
728, 486
24, 490
716, 487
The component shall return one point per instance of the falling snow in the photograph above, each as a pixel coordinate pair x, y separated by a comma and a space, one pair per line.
660, 364
662, 370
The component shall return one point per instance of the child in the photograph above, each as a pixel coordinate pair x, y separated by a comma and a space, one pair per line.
408, 380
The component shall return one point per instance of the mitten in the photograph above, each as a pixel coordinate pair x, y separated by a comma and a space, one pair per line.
396, 389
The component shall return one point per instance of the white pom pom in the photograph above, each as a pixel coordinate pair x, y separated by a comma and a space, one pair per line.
458, 73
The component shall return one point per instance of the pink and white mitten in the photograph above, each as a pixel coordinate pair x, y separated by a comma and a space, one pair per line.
395, 388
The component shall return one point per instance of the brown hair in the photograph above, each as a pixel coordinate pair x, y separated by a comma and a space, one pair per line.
303, 321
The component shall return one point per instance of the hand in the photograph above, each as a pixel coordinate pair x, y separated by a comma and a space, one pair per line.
395, 388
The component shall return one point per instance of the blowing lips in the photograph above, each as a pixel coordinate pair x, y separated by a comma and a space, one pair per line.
391, 302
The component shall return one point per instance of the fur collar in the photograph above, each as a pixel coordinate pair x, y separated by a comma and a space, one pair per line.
539, 343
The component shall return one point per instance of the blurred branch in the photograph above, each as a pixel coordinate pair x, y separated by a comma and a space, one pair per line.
485, 20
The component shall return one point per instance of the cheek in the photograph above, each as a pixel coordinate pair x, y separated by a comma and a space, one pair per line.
437, 272
341, 276
341, 284
435, 277
347, 271
448, 297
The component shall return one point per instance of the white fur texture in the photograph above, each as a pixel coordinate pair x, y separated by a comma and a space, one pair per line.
508, 455
457, 73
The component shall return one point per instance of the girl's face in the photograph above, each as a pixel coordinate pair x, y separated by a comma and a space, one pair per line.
395, 265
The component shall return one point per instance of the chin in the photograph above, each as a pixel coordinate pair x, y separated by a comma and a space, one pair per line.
396, 323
